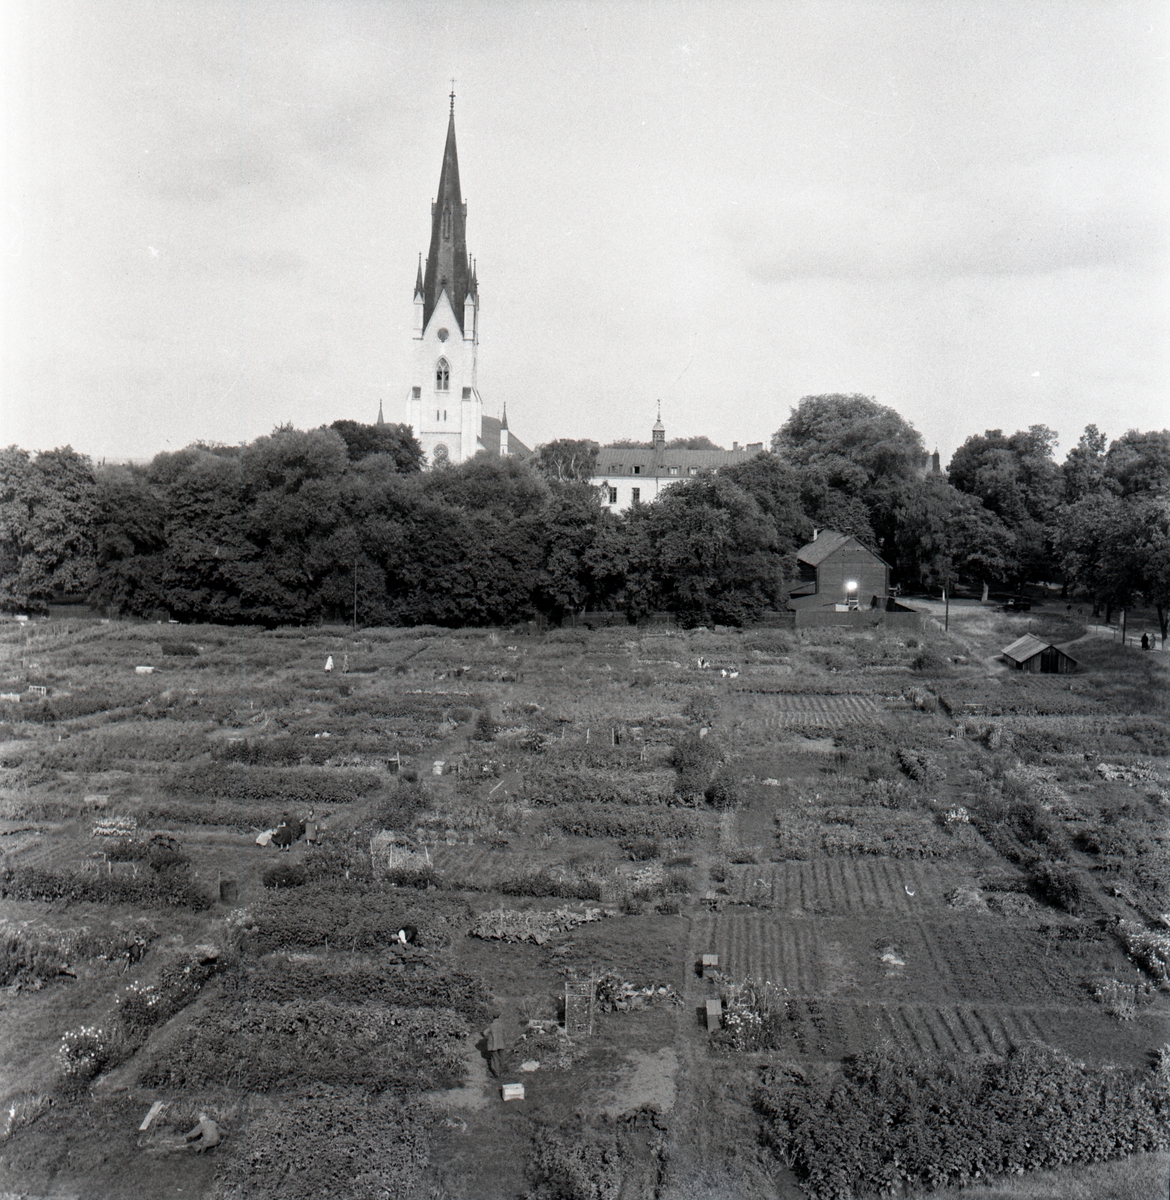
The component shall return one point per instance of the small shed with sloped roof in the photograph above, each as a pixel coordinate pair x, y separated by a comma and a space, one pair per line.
1038, 657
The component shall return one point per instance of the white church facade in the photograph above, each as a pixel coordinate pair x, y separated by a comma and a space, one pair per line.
444, 407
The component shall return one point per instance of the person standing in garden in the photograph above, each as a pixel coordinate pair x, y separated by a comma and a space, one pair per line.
495, 1043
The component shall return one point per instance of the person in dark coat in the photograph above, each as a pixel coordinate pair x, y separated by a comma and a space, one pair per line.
495, 1043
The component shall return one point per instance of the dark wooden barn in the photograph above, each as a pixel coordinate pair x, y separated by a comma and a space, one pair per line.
1039, 657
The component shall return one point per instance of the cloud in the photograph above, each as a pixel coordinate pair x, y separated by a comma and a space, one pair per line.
1054, 214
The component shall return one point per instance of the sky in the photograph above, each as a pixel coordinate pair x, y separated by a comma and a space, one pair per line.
213, 213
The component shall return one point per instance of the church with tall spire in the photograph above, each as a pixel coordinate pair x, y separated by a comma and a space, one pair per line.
445, 409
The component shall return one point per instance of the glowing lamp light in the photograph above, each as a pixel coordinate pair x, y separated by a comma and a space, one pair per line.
851, 585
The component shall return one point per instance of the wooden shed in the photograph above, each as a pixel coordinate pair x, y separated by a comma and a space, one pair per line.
1039, 657
837, 570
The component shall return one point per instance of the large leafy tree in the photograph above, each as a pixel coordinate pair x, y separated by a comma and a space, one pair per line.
567, 460
1017, 478
779, 489
946, 536
1140, 462
705, 551
1084, 467
46, 526
396, 441
857, 456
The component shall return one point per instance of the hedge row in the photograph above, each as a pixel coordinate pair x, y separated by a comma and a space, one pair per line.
418, 985
265, 1047
167, 889
350, 918
606, 821
890, 1120
293, 785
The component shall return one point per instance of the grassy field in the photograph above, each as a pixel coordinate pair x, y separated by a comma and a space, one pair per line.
937, 891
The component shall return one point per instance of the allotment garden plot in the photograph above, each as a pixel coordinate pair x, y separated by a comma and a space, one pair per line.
891, 846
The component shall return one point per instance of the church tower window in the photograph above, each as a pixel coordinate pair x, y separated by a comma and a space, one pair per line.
442, 375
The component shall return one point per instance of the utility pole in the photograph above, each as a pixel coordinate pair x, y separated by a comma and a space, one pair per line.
355, 595
946, 610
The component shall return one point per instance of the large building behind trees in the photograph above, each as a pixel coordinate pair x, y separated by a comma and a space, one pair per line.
444, 408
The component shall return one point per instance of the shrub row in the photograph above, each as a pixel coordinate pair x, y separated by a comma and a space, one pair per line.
141, 1008
268, 1047
620, 823
294, 785
349, 917
167, 889
286, 750
339, 1142
570, 787
238, 816
419, 985
542, 884
890, 1120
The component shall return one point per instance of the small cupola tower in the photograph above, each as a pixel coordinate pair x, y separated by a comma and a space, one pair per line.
444, 406
658, 433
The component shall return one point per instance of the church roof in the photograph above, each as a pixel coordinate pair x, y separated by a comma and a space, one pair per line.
447, 267
490, 439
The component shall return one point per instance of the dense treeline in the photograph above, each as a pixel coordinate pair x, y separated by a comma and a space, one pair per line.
291, 527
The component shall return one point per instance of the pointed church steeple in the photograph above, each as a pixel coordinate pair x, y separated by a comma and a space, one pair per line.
418, 281
658, 433
381, 419
447, 266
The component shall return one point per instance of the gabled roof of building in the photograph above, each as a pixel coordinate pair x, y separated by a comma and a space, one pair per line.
490, 438
1028, 646
816, 551
621, 460
828, 542
448, 269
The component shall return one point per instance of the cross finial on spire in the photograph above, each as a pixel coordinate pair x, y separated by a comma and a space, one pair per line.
452, 94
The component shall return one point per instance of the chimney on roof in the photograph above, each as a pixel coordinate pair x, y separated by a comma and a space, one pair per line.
735, 445
815, 532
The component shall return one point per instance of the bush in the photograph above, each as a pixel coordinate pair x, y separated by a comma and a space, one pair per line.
422, 877
641, 849
722, 794
180, 650
889, 1121
576, 1162
929, 660
694, 760
1060, 885
485, 727
284, 875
